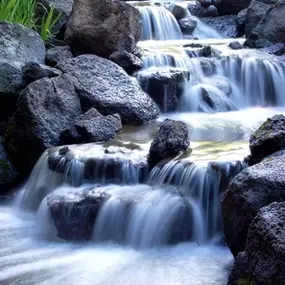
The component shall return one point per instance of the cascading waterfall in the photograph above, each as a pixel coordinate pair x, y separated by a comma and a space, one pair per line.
159, 24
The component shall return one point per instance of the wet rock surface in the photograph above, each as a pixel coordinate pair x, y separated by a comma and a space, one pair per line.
165, 86
171, 139
262, 262
268, 139
104, 85
252, 189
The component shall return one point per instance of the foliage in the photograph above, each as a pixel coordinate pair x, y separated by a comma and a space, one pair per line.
24, 12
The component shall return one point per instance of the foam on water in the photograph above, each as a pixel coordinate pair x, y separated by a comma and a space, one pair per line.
28, 260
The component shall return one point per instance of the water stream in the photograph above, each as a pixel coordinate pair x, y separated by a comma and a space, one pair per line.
96, 214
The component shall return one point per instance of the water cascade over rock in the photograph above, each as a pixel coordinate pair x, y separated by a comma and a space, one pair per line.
144, 171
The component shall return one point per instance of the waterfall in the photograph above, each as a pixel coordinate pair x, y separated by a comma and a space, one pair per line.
159, 24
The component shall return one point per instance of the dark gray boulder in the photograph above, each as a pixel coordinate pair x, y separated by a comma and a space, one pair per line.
269, 138
102, 27
252, 189
33, 71
262, 262
104, 85
211, 11
57, 54
165, 86
9, 177
235, 45
171, 139
74, 215
195, 8
93, 127
270, 28
18, 46
45, 108
240, 22
178, 10
187, 25
129, 62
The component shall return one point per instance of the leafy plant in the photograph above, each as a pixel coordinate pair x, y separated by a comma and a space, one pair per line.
24, 12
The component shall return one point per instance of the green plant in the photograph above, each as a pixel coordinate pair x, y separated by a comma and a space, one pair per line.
24, 12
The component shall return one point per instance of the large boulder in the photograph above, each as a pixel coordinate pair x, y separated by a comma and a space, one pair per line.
45, 108
18, 46
232, 6
254, 14
105, 86
102, 27
171, 139
8, 174
165, 86
270, 28
262, 262
252, 189
268, 139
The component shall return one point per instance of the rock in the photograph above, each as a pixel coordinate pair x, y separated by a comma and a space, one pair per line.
188, 25
57, 54
129, 62
254, 15
33, 71
171, 139
45, 108
18, 45
222, 84
105, 86
74, 215
252, 189
235, 45
225, 25
212, 97
233, 6
93, 127
165, 86
269, 138
178, 11
276, 49
211, 11
9, 177
102, 27
196, 9
271, 27
240, 21
262, 262
217, 2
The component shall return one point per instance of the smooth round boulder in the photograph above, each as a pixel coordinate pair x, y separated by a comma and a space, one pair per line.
262, 262
102, 84
268, 138
171, 139
178, 11
188, 25
211, 11
102, 27
252, 189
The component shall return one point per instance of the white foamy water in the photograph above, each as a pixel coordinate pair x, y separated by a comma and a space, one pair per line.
27, 260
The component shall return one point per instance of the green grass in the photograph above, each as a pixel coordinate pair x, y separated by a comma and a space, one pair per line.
24, 12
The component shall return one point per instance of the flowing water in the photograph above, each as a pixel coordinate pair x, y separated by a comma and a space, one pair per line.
96, 214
